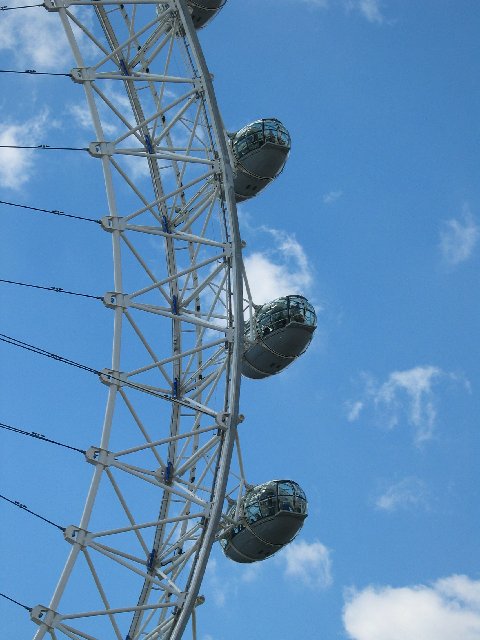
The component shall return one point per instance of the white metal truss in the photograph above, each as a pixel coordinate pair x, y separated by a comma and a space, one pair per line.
162, 468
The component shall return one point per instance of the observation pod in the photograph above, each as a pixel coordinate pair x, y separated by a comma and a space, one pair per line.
260, 150
282, 331
271, 515
202, 11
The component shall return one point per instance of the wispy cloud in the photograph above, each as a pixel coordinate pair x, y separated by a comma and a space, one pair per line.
34, 37
354, 409
218, 586
458, 237
407, 395
369, 9
37, 38
281, 269
81, 116
16, 165
251, 572
309, 562
332, 196
449, 609
406, 494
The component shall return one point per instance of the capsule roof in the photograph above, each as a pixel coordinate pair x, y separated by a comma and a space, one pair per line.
256, 134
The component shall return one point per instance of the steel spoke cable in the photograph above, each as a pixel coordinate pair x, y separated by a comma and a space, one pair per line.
44, 352
24, 606
39, 436
34, 72
25, 6
111, 376
56, 212
54, 289
24, 507
43, 147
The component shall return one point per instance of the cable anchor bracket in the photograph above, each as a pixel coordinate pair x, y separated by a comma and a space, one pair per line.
111, 377
101, 149
83, 74
97, 455
114, 299
42, 615
56, 5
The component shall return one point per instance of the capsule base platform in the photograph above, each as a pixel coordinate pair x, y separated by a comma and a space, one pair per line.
276, 350
261, 540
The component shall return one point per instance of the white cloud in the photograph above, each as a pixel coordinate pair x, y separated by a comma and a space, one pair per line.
459, 237
409, 492
281, 270
308, 562
16, 165
332, 196
408, 394
447, 610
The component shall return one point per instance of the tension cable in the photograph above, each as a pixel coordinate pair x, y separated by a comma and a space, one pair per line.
24, 507
41, 146
55, 289
24, 606
48, 354
34, 72
43, 352
25, 6
39, 436
56, 212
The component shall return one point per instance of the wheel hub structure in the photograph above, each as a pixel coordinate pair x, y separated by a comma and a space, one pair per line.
161, 469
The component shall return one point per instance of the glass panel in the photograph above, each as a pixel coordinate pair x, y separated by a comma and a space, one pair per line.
269, 507
253, 512
286, 503
286, 489
300, 506
300, 493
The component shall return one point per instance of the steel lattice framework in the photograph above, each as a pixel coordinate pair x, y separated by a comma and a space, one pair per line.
162, 467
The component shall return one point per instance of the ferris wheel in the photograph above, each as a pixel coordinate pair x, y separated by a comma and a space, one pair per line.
168, 476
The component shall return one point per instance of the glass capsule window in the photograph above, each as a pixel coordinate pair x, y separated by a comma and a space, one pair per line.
258, 133
281, 312
273, 497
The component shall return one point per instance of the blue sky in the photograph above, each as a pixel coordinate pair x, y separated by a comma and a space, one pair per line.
376, 219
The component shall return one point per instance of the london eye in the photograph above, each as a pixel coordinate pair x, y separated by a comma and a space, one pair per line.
168, 478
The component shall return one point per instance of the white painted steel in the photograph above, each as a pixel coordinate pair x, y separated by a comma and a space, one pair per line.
162, 468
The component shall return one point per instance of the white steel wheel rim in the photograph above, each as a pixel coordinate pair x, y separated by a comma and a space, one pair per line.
178, 327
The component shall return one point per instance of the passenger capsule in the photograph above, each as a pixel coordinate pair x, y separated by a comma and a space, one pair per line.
281, 332
271, 515
202, 11
260, 150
